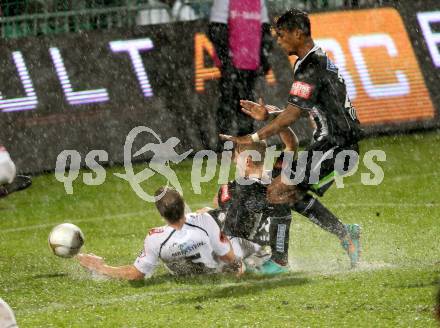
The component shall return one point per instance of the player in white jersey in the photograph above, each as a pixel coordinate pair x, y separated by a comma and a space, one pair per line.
9, 181
194, 248
188, 244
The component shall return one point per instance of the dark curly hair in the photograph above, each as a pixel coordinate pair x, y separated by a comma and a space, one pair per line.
294, 19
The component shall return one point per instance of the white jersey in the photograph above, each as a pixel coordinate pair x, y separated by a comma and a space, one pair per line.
7, 167
192, 249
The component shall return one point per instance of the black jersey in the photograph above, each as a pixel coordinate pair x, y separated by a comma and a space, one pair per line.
318, 89
246, 213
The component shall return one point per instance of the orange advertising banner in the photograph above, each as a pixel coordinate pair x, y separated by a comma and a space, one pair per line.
375, 57
374, 54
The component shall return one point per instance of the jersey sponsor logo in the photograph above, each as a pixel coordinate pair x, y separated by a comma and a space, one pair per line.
186, 247
301, 89
225, 195
155, 230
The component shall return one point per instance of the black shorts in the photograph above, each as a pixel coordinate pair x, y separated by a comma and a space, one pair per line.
317, 173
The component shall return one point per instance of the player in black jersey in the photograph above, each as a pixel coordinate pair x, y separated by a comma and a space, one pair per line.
244, 211
318, 92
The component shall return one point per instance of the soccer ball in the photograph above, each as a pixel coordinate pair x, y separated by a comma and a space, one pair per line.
66, 240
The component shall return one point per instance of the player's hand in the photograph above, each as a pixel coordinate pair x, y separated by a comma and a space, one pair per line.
244, 140
236, 267
257, 111
90, 261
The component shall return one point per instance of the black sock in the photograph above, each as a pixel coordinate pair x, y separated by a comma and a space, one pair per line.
312, 209
279, 238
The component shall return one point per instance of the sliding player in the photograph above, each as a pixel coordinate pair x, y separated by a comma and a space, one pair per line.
188, 244
319, 92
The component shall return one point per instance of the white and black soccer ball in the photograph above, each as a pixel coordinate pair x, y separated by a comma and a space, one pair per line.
66, 240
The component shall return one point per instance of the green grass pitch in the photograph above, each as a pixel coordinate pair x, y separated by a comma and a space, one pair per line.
393, 287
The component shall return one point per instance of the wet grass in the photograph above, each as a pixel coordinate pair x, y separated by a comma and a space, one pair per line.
394, 285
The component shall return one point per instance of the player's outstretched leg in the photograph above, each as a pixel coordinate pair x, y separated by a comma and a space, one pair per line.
352, 245
349, 235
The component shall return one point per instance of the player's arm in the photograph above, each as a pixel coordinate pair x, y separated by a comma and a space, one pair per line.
281, 122
312, 122
263, 112
215, 204
144, 264
221, 197
220, 244
97, 264
229, 257
234, 264
302, 97
259, 111
286, 118
289, 139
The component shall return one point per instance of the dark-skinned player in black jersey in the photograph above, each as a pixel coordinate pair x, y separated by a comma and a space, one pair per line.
319, 93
